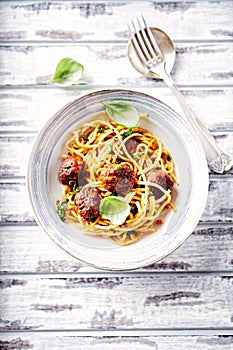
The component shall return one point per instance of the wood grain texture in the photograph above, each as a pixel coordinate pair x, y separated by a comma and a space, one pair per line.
209, 248
73, 341
17, 208
196, 63
78, 303
78, 21
27, 110
15, 150
50, 300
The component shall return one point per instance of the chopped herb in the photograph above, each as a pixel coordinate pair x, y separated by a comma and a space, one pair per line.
137, 154
118, 167
85, 137
133, 209
127, 133
102, 129
61, 209
169, 158
92, 217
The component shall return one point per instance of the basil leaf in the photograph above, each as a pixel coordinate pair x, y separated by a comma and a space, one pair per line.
114, 209
61, 210
68, 72
122, 113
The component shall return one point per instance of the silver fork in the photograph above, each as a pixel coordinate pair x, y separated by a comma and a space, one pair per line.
153, 59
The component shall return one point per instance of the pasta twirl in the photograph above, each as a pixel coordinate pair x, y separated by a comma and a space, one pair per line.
107, 160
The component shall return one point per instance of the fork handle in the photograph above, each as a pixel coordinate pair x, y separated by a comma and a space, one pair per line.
217, 160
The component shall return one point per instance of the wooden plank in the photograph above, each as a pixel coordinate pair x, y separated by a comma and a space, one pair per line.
14, 154
17, 209
73, 341
107, 64
44, 288
15, 150
29, 250
84, 303
29, 109
107, 20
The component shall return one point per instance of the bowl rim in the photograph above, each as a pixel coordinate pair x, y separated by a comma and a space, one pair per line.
79, 99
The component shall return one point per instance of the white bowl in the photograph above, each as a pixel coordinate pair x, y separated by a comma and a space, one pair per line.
191, 170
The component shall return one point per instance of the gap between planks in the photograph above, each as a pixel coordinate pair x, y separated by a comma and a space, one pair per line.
114, 1
128, 274
107, 42
128, 333
83, 88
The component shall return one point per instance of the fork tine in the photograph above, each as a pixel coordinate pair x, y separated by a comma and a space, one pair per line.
152, 39
140, 39
144, 42
151, 50
136, 43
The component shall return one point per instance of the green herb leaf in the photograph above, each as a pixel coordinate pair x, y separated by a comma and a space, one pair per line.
85, 137
133, 209
68, 72
102, 129
114, 209
118, 167
93, 217
122, 113
127, 133
137, 155
61, 210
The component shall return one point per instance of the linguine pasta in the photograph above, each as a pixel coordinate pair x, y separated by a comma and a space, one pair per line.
102, 142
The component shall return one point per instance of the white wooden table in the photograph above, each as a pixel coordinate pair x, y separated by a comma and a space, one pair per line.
50, 300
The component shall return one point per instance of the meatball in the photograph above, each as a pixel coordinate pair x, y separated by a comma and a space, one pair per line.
88, 202
131, 145
118, 179
161, 178
70, 169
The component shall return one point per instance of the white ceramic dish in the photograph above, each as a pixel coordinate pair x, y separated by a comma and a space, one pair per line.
191, 170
